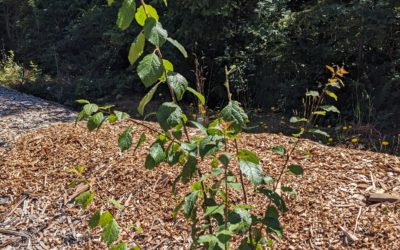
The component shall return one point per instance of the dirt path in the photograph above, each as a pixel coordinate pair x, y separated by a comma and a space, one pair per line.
20, 113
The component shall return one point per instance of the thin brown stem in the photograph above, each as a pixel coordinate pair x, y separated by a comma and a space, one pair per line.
241, 175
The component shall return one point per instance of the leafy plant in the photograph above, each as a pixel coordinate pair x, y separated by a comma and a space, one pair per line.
216, 218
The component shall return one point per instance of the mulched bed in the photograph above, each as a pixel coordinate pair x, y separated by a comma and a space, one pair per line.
331, 198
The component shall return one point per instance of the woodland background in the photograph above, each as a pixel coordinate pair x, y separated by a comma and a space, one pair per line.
66, 50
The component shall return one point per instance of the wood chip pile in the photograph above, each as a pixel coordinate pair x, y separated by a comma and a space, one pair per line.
331, 209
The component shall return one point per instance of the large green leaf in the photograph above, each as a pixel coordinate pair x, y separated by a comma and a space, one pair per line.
235, 113
156, 155
94, 219
137, 48
275, 198
239, 220
95, 121
178, 83
154, 32
84, 199
296, 169
90, 108
189, 203
169, 115
271, 220
210, 145
105, 218
211, 210
178, 46
189, 169
250, 166
150, 69
330, 108
279, 150
125, 139
126, 14
319, 132
199, 96
141, 15
147, 98
141, 140
110, 232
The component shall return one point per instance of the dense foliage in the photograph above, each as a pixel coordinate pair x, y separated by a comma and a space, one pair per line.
279, 47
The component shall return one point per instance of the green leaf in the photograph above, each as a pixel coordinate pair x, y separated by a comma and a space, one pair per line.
240, 220
320, 132
126, 14
84, 199
106, 107
168, 66
312, 93
156, 155
94, 219
105, 218
136, 49
212, 241
287, 189
178, 46
110, 2
90, 108
82, 101
295, 119
211, 210
275, 198
299, 133
225, 158
169, 115
279, 150
141, 16
173, 154
120, 246
235, 113
147, 98
82, 115
110, 232
199, 96
271, 220
296, 169
121, 115
117, 116
189, 203
189, 169
125, 139
210, 145
323, 113
154, 32
250, 166
178, 83
331, 94
150, 69
200, 126
95, 121
330, 108
141, 140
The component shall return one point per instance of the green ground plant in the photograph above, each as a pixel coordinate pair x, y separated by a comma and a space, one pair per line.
211, 163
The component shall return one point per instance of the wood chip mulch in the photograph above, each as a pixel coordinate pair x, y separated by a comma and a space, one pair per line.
329, 211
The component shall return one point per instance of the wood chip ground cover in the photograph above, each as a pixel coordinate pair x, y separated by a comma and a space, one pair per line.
330, 205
